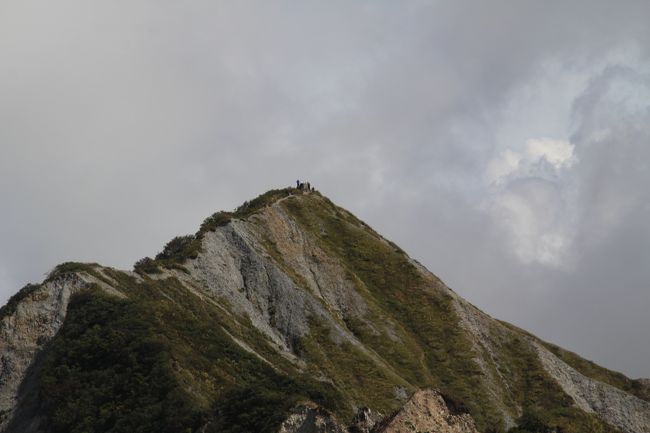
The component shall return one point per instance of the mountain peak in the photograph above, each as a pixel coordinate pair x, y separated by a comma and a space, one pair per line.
286, 300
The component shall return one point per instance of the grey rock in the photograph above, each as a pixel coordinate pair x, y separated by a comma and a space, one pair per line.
426, 411
23, 333
311, 418
365, 421
271, 273
618, 408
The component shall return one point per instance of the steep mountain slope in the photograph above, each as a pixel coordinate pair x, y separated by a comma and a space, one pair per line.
289, 308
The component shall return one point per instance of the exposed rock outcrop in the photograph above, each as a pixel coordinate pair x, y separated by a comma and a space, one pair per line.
620, 409
426, 412
365, 421
311, 418
36, 318
232, 269
324, 276
235, 267
484, 333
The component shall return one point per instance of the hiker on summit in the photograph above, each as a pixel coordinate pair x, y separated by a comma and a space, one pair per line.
304, 186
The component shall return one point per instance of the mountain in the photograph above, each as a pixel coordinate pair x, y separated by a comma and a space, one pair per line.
287, 315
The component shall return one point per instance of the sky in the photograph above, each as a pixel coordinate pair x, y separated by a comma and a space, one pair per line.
503, 144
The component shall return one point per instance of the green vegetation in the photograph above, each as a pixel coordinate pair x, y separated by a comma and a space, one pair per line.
245, 210
262, 406
71, 268
358, 376
564, 420
434, 350
594, 371
183, 248
215, 220
174, 254
127, 365
180, 248
146, 265
107, 371
533, 388
591, 369
164, 360
546, 408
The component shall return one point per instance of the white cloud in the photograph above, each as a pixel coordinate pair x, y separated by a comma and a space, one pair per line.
533, 159
531, 216
501, 167
128, 125
526, 199
558, 153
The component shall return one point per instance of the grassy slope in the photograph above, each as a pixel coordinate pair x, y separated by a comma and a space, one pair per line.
160, 361
591, 369
594, 371
434, 349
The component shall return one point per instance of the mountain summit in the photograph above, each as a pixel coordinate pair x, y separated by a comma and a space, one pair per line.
287, 315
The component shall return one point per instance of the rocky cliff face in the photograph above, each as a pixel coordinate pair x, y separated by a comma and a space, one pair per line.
37, 316
426, 411
34, 316
310, 418
290, 315
624, 411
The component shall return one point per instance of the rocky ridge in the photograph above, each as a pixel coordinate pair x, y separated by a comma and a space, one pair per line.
628, 413
311, 418
426, 411
310, 291
36, 318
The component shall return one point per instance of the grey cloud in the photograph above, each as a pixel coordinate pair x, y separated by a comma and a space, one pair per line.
123, 124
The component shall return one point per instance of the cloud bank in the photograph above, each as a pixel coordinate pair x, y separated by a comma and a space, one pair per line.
502, 144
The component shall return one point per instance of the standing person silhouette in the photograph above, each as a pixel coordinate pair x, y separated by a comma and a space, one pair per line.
298, 183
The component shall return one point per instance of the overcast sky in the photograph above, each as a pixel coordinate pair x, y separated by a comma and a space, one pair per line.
504, 144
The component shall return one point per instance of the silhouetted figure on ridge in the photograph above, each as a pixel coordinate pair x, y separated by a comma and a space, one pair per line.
304, 186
